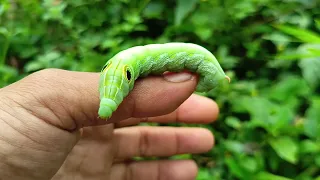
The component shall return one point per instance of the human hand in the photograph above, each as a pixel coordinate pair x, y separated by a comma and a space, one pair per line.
49, 129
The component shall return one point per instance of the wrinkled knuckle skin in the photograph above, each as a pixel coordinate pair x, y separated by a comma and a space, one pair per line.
46, 75
47, 80
47, 72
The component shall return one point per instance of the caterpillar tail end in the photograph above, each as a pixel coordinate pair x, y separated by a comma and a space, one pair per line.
107, 107
228, 78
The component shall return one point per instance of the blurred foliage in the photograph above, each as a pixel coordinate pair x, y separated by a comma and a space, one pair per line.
269, 126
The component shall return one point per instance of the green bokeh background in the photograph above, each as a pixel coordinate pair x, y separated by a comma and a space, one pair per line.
269, 127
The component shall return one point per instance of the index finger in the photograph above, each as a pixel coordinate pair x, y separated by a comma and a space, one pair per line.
196, 109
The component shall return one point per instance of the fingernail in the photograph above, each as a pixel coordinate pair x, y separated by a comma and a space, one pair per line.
178, 77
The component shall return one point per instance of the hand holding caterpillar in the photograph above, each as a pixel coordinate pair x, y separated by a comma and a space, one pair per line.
120, 72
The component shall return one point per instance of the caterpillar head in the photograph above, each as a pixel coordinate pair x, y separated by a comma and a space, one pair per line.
116, 80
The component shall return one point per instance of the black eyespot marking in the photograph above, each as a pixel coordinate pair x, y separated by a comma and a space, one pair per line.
104, 67
128, 75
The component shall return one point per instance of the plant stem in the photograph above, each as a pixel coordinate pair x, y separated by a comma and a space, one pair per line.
3, 51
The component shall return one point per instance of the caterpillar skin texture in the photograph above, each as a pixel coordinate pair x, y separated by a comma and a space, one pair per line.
120, 72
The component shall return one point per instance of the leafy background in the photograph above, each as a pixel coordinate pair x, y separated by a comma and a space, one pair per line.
269, 126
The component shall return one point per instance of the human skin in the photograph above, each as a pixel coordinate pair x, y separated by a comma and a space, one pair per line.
49, 128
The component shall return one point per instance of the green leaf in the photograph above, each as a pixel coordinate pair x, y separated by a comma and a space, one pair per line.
293, 55
54, 10
317, 21
248, 163
281, 119
111, 43
7, 74
312, 121
280, 39
268, 176
309, 56
233, 122
289, 87
154, 9
234, 146
46, 60
181, 156
260, 109
29, 51
286, 148
308, 146
203, 174
225, 59
317, 160
49, 57
183, 8
4, 7
7, 71
204, 33
34, 66
310, 70
241, 9
302, 34
236, 168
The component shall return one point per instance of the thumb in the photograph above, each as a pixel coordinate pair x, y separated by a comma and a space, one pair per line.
70, 100
155, 96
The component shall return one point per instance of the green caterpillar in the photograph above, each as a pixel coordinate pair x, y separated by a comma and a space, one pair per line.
120, 72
